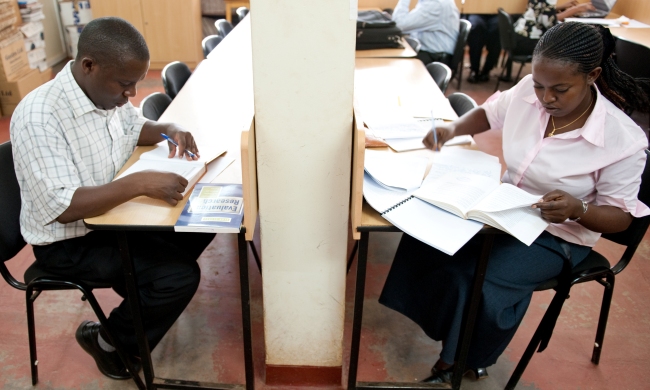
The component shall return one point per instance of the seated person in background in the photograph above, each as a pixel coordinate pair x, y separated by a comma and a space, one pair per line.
539, 17
434, 23
565, 135
69, 138
484, 33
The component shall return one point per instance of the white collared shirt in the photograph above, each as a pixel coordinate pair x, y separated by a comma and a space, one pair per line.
60, 142
434, 23
601, 162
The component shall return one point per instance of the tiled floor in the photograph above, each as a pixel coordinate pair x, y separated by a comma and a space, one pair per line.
205, 343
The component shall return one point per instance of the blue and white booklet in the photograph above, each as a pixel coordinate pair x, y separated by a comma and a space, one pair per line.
212, 208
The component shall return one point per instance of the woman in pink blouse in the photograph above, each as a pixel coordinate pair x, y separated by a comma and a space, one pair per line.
565, 135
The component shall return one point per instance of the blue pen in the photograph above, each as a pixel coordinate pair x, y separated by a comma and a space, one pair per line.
435, 133
165, 136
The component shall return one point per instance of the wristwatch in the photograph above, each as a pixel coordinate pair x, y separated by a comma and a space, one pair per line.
585, 206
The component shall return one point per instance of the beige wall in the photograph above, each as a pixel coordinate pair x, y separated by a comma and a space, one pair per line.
303, 70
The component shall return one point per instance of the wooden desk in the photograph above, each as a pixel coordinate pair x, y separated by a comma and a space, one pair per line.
213, 115
382, 81
234, 4
636, 35
491, 6
406, 52
388, 82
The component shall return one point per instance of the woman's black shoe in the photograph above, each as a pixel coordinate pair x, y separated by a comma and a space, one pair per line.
444, 376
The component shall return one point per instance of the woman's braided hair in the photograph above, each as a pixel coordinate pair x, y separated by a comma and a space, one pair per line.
589, 47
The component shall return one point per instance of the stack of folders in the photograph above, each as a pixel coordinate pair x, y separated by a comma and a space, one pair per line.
402, 132
461, 183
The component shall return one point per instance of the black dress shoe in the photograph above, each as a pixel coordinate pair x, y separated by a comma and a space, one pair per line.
109, 363
473, 77
444, 376
483, 77
439, 376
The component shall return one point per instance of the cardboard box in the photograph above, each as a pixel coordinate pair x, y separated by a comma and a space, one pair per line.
8, 109
72, 39
13, 58
75, 12
12, 92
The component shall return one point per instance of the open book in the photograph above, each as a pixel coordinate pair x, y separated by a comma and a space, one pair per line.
158, 160
503, 206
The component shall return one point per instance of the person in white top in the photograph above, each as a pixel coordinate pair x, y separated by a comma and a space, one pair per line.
566, 138
434, 23
69, 139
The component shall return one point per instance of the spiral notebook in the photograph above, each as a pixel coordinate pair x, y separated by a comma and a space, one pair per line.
419, 219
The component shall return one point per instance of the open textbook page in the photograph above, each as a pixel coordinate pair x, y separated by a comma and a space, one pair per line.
192, 171
207, 153
419, 219
502, 206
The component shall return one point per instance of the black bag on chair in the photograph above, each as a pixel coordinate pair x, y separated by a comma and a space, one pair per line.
375, 30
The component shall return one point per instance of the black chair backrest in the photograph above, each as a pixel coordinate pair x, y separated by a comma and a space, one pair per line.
154, 105
632, 236
461, 103
241, 13
506, 31
209, 43
440, 73
223, 27
414, 43
461, 41
174, 76
633, 58
11, 241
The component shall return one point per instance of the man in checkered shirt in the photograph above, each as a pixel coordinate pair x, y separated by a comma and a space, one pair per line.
70, 137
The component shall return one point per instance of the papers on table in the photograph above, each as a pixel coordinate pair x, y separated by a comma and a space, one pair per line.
620, 22
464, 161
395, 171
427, 223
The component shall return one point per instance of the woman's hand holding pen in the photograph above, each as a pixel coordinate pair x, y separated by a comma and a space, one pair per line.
557, 206
442, 134
186, 145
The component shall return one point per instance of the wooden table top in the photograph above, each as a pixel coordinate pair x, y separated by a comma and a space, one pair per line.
216, 105
390, 82
636, 35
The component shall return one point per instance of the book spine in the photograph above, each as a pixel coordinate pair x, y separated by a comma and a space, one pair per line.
397, 205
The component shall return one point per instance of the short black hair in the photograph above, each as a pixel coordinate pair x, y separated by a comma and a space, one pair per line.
111, 41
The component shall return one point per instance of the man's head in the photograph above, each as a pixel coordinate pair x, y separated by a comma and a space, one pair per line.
112, 57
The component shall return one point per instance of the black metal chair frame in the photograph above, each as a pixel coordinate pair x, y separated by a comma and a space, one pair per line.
467, 326
443, 83
155, 98
165, 77
459, 51
598, 270
508, 43
44, 281
207, 42
458, 99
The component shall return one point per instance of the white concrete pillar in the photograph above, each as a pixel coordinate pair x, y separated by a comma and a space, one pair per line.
303, 69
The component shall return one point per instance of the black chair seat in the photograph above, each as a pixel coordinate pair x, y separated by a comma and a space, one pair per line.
593, 261
35, 271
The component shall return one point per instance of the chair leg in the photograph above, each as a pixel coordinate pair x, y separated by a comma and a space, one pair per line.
90, 297
459, 73
532, 346
30, 296
352, 255
519, 73
602, 320
503, 71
